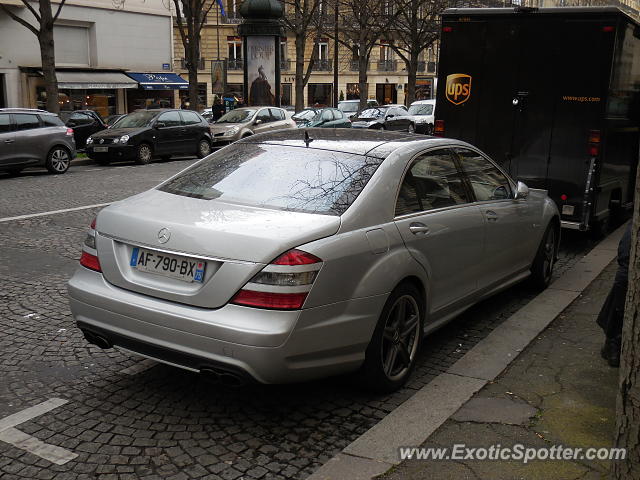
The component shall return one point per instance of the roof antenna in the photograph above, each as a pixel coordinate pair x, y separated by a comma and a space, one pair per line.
307, 138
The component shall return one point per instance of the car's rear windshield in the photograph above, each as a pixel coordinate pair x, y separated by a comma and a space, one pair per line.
421, 109
282, 178
135, 120
348, 106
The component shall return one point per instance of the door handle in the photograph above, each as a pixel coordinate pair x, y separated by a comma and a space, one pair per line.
491, 216
418, 228
9, 141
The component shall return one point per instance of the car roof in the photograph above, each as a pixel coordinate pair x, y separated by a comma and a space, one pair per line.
356, 141
424, 102
25, 110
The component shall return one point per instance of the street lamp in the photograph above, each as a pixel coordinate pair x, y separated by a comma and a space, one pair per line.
261, 30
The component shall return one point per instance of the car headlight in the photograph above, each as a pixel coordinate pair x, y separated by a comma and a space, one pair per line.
89, 141
124, 139
231, 131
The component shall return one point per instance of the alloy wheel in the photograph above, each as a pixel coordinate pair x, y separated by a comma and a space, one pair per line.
60, 160
400, 337
144, 153
549, 253
411, 128
204, 148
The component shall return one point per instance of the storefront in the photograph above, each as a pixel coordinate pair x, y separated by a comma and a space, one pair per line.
320, 94
155, 90
101, 91
386, 93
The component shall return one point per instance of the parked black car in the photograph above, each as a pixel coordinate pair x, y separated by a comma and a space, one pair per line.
143, 134
385, 117
111, 119
84, 123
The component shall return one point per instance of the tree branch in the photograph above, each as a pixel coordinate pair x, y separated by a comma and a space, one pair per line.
55, 17
26, 24
32, 10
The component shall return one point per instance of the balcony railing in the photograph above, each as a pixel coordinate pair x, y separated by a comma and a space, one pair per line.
231, 17
387, 65
354, 66
235, 64
183, 64
285, 64
322, 65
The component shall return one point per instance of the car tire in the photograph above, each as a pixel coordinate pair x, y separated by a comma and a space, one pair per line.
391, 355
204, 148
381, 127
58, 160
429, 130
144, 154
411, 128
542, 267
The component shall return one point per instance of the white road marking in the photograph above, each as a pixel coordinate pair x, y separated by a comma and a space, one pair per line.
57, 455
139, 367
15, 437
31, 412
52, 212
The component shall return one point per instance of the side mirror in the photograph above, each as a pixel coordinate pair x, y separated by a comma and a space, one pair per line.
160, 125
257, 122
522, 191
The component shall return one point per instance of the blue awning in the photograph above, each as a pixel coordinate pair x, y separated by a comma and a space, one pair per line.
160, 81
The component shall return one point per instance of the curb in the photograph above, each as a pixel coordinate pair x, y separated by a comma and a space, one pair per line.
411, 424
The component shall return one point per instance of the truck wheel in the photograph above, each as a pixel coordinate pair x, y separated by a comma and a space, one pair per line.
542, 267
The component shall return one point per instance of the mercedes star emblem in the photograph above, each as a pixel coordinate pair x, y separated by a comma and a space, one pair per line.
164, 235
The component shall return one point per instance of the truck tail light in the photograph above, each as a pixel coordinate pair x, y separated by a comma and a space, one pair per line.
283, 284
594, 143
438, 129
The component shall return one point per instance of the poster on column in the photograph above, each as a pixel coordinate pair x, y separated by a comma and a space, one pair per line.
261, 70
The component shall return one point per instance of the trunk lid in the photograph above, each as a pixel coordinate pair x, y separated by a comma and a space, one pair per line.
234, 241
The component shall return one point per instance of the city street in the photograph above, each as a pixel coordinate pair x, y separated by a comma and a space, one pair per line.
121, 416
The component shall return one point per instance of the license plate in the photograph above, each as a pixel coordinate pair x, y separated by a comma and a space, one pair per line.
174, 266
100, 149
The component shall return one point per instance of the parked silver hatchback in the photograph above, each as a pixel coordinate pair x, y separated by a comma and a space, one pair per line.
305, 253
246, 121
31, 138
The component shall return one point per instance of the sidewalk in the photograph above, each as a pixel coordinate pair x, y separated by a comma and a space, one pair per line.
558, 391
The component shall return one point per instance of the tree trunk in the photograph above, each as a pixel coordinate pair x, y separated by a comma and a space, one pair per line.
193, 60
300, 41
363, 64
628, 402
48, 57
412, 69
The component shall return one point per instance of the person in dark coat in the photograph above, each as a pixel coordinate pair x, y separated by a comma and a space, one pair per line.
612, 314
217, 110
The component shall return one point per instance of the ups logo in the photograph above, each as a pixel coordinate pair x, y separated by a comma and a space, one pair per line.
458, 88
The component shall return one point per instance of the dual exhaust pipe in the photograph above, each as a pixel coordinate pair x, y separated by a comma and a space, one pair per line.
212, 374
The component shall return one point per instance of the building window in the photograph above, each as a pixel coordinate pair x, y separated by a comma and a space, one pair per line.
319, 94
202, 98
286, 95
234, 45
71, 45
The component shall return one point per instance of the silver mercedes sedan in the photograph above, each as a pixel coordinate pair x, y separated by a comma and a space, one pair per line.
300, 254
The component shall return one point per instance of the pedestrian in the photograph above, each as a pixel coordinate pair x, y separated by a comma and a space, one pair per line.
612, 314
217, 110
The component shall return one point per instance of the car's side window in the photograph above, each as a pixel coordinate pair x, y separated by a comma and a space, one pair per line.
277, 114
81, 118
433, 181
5, 123
51, 121
170, 119
264, 116
190, 118
487, 181
327, 116
26, 121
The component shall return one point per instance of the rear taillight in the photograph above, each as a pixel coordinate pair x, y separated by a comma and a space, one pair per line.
594, 143
283, 284
438, 128
89, 258
90, 261
69, 132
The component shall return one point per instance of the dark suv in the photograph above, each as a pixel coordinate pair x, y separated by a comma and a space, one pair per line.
31, 138
145, 134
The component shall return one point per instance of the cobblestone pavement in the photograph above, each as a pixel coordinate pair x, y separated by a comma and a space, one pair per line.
164, 422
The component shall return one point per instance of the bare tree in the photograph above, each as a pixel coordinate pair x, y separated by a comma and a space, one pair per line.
416, 28
361, 22
304, 19
191, 16
628, 403
43, 29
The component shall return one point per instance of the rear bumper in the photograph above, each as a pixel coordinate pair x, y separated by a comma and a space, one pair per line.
268, 346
